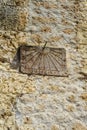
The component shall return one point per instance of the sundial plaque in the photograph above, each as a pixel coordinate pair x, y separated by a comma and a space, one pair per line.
43, 61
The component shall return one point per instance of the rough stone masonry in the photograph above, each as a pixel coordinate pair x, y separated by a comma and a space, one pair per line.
43, 102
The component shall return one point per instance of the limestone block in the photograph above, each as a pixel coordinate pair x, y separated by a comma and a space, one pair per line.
79, 126
84, 96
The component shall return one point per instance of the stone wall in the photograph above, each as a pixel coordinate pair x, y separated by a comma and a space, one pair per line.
43, 102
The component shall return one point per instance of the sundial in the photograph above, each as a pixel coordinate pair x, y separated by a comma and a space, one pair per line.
43, 61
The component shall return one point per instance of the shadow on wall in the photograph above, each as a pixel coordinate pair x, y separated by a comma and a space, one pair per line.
16, 60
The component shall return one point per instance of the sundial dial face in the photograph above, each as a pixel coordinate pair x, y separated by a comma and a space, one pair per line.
43, 61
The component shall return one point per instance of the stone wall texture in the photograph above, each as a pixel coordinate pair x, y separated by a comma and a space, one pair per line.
43, 102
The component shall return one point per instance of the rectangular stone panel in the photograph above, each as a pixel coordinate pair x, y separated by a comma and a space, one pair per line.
43, 61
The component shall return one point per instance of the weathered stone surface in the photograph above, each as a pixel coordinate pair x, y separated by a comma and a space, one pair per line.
37, 102
10, 16
84, 96
55, 127
15, 2
79, 126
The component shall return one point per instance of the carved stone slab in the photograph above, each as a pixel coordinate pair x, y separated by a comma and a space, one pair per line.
43, 61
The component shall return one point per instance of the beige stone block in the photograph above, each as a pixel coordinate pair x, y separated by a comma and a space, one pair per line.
80, 36
43, 20
83, 26
27, 120
84, 69
37, 38
22, 18
21, 2
70, 108
21, 38
55, 88
79, 126
46, 29
84, 96
29, 89
46, 4
55, 38
68, 31
85, 107
55, 127
71, 98
1, 127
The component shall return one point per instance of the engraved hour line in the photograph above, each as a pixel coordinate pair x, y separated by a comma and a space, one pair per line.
58, 60
42, 55
35, 60
58, 51
56, 69
31, 51
53, 63
40, 66
57, 55
38, 62
57, 63
48, 63
31, 57
43, 64
60, 57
